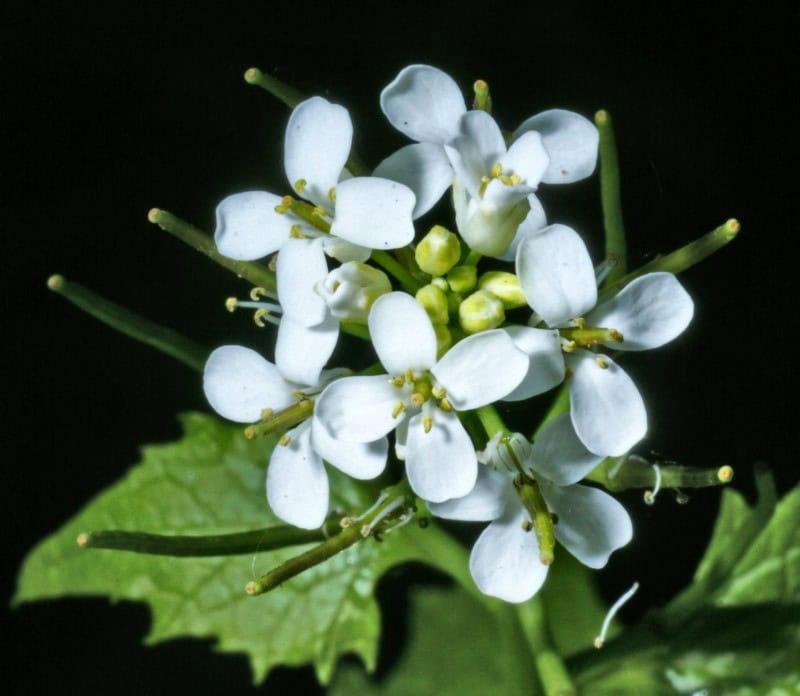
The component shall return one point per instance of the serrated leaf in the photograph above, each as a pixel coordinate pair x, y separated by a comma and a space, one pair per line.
212, 481
455, 645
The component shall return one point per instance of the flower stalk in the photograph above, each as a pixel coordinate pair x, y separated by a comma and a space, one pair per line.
125, 321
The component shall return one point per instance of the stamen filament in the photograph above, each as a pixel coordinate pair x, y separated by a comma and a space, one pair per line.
598, 642
650, 496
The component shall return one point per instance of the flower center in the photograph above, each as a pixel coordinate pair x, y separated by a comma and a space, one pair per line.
496, 172
420, 392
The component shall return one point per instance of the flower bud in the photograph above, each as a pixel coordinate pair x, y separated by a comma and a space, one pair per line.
505, 287
350, 290
462, 278
434, 300
480, 311
444, 339
438, 251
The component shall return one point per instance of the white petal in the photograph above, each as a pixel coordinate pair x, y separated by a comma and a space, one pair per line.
248, 226
374, 213
424, 103
344, 251
545, 360
297, 485
478, 146
239, 384
424, 168
591, 524
535, 220
556, 274
607, 410
301, 352
358, 409
650, 311
505, 560
361, 460
483, 503
481, 369
528, 158
440, 464
559, 455
570, 139
301, 264
317, 144
402, 333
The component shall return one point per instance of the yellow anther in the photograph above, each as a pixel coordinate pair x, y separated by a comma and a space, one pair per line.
319, 212
345, 522
257, 293
398, 381
296, 232
438, 392
580, 322
285, 440
427, 423
284, 205
527, 525
602, 363
273, 264
410, 376
398, 409
725, 474
445, 405
258, 317
231, 304
515, 179
569, 346
332, 195
266, 413
300, 185
616, 336
417, 399
496, 170
297, 394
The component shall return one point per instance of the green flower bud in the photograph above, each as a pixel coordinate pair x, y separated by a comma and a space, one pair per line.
350, 290
481, 311
438, 251
444, 339
434, 301
440, 283
505, 287
462, 278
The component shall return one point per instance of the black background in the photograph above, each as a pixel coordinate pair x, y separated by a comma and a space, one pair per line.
112, 110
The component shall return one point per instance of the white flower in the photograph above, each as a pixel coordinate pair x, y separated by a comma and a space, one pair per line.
558, 280
360, 213
240, 384
507, 560
419, 394
426, 104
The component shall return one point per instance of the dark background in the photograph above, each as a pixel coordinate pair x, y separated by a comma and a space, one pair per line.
113, 110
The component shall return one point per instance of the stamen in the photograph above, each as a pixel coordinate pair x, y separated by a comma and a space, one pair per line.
725, 474
283, 207
405, 518
383, 496
680, 497
438, 392
427, 423
259, 315
332, 195
616, 336
266, 413
602, 363
300, 185
258, 292
231, 304
650, 496
527, 525
445, 405
366, 530
285, 440
496, 170
398, 409
398, 381
598, 642
569, 346
410, 376
417, 399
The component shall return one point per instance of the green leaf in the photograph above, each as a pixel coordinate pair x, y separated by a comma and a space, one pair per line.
212, 481
455, 645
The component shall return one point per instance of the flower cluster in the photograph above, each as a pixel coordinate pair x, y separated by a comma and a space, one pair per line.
450, 338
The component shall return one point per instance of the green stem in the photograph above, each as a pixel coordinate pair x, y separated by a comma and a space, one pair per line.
472, 258
395, 268
131, 324
281, 421
280, 90
491, 421
398, 499
253, 272
680, 259
239, 543
636, 472
559, 406
552, 672
616, 250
